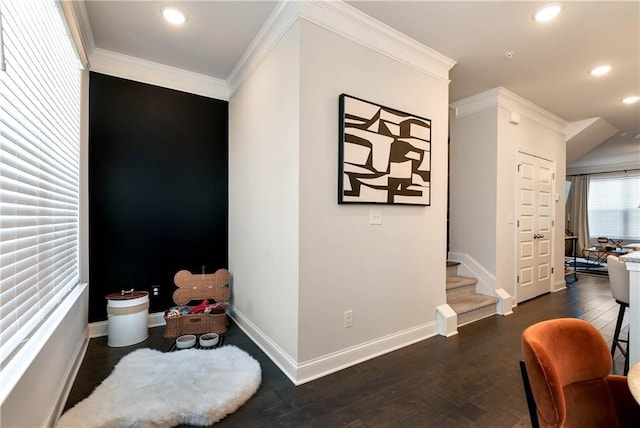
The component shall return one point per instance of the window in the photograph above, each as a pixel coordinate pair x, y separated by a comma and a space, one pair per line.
40, 85
613, 207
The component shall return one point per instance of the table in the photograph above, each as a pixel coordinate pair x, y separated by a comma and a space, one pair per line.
597, 255
633, 380
633, 266
574, 254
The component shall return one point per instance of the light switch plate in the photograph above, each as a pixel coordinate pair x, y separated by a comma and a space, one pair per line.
375, 217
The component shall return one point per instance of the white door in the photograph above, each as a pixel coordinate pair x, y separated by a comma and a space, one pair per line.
534, 237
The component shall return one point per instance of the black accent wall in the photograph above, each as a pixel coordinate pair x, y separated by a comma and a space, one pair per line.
158, 188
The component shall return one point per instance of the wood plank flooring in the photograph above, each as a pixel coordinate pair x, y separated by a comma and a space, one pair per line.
468, 380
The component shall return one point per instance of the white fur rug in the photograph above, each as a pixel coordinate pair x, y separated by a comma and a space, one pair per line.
154, 389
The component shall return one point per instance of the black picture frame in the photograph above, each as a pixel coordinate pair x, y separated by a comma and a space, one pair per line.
384, 155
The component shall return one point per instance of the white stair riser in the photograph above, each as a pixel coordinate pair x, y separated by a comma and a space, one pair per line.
476, 315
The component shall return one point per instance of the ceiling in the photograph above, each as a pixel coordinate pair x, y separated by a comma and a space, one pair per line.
549, 65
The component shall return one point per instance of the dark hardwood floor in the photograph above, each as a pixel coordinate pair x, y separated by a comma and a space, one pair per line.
468, 380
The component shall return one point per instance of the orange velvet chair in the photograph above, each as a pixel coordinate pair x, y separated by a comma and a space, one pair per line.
568, 365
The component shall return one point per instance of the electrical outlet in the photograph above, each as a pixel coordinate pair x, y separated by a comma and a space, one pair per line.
155, 291
348, 318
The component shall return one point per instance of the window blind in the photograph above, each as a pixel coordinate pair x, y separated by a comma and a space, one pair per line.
39, 167
613, 207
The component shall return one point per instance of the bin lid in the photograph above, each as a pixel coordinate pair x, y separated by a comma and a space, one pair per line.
126, 296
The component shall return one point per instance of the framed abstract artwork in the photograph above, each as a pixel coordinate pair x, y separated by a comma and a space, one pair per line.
384, 156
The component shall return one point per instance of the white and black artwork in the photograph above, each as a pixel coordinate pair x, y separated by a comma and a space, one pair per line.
385, 155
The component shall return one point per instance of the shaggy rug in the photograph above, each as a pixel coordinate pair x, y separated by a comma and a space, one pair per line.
149, 388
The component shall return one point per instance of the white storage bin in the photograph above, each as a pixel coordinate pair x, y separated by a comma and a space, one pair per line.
128, 316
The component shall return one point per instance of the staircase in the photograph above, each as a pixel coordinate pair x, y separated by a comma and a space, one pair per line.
463, 299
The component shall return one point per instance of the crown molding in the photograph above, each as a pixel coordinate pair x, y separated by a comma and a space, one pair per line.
274, 28
344, 20
77, 17
501, 97
349, 22
132, 68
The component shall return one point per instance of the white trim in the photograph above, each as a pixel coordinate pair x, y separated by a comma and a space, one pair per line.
346, 21
506, 302
558, 286
12, 373
83, 225
336, 361
501, 97
486, 284
307, 371
140, 70
70, 375
447, 320
275, 353
275, 27
77, 17
349, 22
533, 153
98, 329
101, 328
156, 319
471, 267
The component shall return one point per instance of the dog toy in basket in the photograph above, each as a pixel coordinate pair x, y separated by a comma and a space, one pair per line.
210, 315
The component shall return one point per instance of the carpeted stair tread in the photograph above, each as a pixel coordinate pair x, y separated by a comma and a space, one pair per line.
469, 302
460, 281
465, 302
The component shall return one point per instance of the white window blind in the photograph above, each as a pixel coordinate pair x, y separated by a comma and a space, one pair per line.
613, 207
39, 167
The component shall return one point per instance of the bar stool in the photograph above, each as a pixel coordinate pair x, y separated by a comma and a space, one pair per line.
619, 280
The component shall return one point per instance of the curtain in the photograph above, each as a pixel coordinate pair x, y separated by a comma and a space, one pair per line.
578, 212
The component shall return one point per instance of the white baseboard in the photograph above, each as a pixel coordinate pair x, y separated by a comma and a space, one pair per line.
327, 364
307, 371
101, 328
559, 286
279, 357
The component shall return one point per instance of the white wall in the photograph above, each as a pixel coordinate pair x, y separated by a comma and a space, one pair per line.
298, 259
264, 196
392, 276
52, 358
473, 192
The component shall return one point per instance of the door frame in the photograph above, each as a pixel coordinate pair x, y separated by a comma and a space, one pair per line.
554, 200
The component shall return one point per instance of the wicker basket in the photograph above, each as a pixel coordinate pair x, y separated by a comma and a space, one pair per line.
195, 324
198, 287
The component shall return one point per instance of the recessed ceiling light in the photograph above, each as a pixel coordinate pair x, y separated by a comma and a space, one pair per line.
601, 70
173, 15
548, 12
631, 100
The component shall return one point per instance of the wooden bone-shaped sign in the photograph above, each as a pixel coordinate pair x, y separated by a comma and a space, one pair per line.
201, 286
